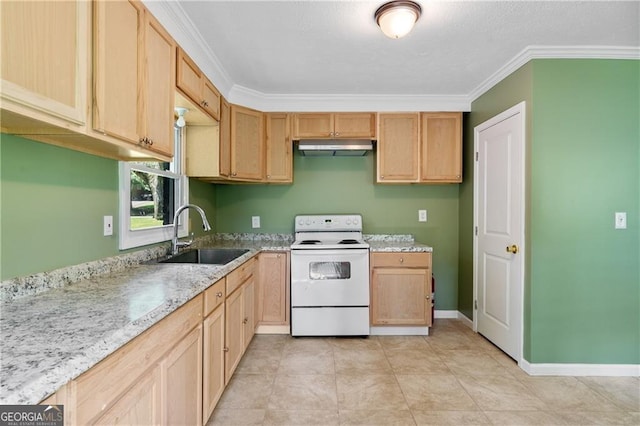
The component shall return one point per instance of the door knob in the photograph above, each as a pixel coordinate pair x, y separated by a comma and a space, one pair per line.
512, 249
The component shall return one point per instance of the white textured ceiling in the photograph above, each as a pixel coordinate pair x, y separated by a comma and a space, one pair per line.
282, 49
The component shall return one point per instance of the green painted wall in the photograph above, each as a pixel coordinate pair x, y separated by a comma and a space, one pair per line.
582, 280
345, 185
585, 293
52, 201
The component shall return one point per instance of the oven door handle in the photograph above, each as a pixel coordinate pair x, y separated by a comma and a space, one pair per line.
329, 252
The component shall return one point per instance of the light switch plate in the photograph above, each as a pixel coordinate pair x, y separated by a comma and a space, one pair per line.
422, 215
621, 220
255, 221
107, 226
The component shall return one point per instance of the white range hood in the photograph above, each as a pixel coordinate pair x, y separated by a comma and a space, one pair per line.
335, 147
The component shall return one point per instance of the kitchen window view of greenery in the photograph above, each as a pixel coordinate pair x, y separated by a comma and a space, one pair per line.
150, 193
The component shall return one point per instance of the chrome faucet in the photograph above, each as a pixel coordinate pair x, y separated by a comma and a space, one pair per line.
175, 244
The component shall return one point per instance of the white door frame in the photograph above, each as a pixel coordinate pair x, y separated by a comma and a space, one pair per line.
516, 109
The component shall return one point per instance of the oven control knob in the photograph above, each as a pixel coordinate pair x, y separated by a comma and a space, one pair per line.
348, 221
308, 222
300, 221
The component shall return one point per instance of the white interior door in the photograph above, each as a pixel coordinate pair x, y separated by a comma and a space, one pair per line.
499, 211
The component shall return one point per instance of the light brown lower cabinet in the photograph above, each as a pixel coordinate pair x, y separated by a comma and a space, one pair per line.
213, 361
233, 344
273, 292
181, 373
401, 289
139, 406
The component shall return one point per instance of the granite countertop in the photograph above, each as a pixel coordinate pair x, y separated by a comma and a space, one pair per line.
54, 328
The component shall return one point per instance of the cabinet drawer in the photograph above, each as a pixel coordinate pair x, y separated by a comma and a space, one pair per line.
240, 275
214, 296
403, 259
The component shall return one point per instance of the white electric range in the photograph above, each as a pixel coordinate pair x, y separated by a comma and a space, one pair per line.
329, 277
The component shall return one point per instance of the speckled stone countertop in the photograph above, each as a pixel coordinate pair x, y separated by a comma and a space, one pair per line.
395, 243
56, 325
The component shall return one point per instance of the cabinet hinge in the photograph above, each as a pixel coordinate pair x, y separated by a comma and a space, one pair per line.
475, 304
476, 231
476, 155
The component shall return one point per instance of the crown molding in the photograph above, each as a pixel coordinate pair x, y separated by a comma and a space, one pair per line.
346, 102
553, 52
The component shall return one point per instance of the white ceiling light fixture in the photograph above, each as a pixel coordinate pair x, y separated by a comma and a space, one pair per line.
180, 122
397, 18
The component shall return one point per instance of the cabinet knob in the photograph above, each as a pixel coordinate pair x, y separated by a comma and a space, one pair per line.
336, 134
246, 320
427, 297
401, 260
219, 294
233, 174
150, 141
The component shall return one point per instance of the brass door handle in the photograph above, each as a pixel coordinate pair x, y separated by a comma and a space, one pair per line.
512, 249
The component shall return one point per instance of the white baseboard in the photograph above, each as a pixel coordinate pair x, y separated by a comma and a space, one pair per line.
632, 370
440, 314
451, 314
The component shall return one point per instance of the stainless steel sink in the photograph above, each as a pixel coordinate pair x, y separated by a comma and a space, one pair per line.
214, 256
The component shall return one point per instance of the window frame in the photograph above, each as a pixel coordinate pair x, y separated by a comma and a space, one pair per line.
129, 238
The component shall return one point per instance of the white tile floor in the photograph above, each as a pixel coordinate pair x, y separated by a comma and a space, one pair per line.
452, 377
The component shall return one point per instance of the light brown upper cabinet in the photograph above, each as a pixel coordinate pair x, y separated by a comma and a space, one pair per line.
44, 64
441, 156
195, 85
134, 75
345, 125
398, 148
247, 144
279, 147
420, 148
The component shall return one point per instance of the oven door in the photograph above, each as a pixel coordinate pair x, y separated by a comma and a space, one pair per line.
329, 277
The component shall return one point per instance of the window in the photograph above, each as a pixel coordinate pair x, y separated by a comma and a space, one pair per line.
150, 192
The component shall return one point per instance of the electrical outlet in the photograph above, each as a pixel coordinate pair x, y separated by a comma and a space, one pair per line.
422, 215
621, 220
255, 221
107, 226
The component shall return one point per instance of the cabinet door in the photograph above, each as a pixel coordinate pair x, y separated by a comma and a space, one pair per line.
401, 296
313, 125
189, 78
182, 381
355, 125
159, 87
279, 148
273, 299
398, 148
441, 159
117, 69
213, 362
248, 310
210, 99
44, 49
233, 334
225, 138
139, 406
247, 147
